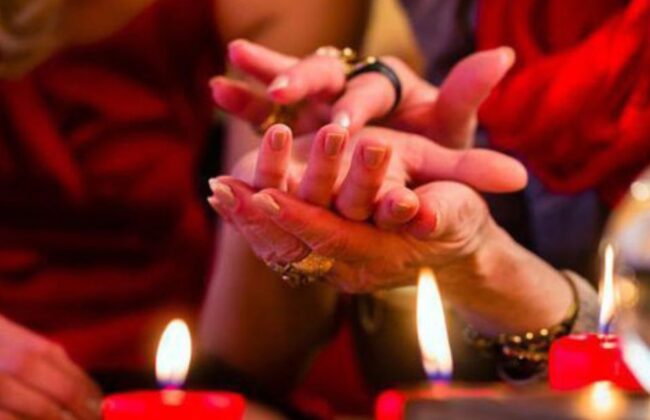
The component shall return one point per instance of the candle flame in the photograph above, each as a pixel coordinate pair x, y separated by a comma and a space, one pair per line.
174, 354
432, 330
601, 401
607, 300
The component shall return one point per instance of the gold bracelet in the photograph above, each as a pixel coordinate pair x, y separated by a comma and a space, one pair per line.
529, 346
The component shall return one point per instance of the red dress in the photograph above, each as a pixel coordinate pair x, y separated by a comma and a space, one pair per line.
103, 236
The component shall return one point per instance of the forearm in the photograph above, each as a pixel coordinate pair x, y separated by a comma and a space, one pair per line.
514, 289
256, 323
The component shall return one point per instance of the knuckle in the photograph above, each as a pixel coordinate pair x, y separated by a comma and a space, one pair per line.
24, 364
69, 393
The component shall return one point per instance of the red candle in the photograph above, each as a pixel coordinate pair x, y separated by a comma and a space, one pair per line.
173, 405
393, 404
172, 364
436, 361
579, 360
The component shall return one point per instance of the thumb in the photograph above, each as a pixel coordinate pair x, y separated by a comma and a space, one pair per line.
463, 91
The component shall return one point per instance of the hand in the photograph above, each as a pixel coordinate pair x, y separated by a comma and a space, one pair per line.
38, 380
27, 33
447, 115
363, 192
449, 229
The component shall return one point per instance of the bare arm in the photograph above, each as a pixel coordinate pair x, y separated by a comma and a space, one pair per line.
252, 320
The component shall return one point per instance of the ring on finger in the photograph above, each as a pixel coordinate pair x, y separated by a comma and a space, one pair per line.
280, 114
308, 270
373, 64
355, 66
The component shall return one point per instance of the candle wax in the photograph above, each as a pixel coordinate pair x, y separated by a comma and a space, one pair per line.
392, 404
173, 405
578, 360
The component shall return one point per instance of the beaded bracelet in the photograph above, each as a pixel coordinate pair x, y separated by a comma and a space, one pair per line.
528, 346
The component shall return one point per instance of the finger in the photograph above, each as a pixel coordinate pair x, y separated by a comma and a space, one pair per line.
463, 91
21, 401
396, 208
446, 209
34, 370
23, 346
358, 192
273, 158
269, 242
89, 388
319, 178
485, 170
257, 61
321, 230
218, 207
315, 76
371, 96
238, 99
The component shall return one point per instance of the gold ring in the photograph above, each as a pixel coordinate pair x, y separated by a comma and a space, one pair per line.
285, 114
347, 56
310, 269
280, 114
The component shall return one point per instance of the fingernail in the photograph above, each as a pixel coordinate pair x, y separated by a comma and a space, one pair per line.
223, 194
343, 119
402, 208
333, 144
212, 202
373, 156
280, 82
266, 203
507, 56
278, 140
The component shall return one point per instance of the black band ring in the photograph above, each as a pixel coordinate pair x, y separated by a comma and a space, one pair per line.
375, 65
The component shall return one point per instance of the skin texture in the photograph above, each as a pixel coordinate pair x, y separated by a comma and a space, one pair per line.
495, 284
446, 113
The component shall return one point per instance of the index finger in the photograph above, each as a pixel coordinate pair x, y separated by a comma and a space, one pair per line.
257, 61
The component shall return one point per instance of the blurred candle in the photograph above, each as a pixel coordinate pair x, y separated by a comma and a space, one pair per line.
578, 360
437, 361
172, 364
601, 400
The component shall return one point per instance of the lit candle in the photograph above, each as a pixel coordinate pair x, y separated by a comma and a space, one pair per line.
172, 364
602, 400
437, 363
578, 360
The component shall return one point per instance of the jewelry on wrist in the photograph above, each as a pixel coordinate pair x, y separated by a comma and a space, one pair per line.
530, 346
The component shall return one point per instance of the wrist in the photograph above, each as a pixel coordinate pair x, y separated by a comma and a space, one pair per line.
501, 287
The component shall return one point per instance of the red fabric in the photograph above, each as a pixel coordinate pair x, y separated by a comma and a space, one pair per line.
102, 233
576, 106
335, 382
